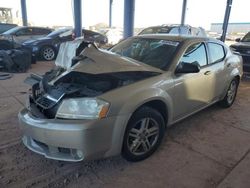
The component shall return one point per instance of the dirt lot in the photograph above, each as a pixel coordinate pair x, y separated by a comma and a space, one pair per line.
209, 149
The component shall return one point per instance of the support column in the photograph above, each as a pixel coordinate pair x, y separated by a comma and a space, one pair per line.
110, 12
183, 14
128, 24
78, 18
24, 13
226, 19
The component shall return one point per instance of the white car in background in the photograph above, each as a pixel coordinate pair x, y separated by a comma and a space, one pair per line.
114, 35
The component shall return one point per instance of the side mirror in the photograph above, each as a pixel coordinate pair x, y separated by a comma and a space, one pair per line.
238, 40
184, 67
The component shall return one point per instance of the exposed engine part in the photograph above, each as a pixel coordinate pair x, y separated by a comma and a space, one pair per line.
46, 98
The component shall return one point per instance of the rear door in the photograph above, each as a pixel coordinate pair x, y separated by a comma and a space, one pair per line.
193, 91
39, 33
218, 67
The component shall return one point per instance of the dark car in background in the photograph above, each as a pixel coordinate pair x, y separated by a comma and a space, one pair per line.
92, 36
243, 48
175, 29
21, 34
47, 47
6, 26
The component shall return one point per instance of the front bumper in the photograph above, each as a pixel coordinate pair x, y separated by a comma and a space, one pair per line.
35, 50
67, 140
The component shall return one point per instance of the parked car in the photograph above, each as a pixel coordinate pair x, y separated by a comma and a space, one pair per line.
21, 34
243, 48
47, 47
122, 100
6, 45
6, 26
95, 37
175, 29
114, 35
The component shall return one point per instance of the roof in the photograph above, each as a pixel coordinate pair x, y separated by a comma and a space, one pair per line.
178, 38
168, 25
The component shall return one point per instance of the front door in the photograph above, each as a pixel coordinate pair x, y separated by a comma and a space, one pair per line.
23, 35
193, 90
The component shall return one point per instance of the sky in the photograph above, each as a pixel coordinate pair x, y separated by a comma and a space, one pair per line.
147, 12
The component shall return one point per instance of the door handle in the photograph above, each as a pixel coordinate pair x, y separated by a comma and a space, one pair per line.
207, 73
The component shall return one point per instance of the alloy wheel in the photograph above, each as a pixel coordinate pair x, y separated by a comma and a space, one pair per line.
48, 53
231, 92
143, 136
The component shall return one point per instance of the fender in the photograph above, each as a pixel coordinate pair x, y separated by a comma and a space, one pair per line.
128, 109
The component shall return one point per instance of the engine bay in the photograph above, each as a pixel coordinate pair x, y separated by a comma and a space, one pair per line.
46, 97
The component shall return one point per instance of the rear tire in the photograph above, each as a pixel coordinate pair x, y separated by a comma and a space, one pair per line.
231, 94
143, 135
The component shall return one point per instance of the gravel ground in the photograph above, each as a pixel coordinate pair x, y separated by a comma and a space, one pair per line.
209, 149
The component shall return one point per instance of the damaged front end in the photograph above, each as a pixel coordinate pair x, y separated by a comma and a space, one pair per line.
46, 98
80, 80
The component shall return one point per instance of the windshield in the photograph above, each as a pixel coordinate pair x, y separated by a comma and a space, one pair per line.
153, 52
58, 32
155, 30
246, 38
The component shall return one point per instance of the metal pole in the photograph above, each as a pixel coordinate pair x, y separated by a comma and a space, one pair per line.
183, 14
24, 13
78, 17
110, 12
226, 19
128, 24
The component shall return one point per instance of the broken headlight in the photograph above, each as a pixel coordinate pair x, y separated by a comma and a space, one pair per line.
83, 108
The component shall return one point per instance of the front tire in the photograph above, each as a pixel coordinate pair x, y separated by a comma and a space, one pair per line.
48, 53
231, 94
143, 134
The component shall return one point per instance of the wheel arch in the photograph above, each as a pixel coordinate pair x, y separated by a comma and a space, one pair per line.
158, 105
161, 103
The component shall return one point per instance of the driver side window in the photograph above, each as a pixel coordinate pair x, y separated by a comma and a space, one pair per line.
195, 53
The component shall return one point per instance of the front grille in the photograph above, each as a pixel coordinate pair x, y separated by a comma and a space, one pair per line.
45, 102
36, 91
64, 150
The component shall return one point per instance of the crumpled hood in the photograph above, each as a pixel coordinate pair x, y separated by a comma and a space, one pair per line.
241, 45
102, 61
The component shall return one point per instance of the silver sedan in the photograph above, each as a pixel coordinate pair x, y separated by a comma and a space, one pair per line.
121, 101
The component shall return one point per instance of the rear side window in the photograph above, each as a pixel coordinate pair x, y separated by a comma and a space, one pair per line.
216, 52
26, 31
196, 53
